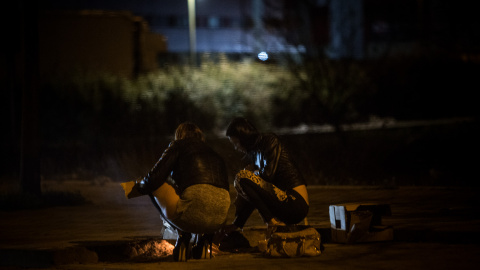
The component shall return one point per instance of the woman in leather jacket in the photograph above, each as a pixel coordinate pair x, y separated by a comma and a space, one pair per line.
272, 183
189, 186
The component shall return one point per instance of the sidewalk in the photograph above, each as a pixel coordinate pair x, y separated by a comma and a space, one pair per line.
434, 227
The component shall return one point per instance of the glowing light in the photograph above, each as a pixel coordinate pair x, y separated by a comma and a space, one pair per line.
263, 56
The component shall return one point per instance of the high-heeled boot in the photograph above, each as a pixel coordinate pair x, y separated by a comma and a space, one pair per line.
182, 249
203, 243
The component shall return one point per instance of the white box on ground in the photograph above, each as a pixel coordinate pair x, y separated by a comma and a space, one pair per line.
359, 222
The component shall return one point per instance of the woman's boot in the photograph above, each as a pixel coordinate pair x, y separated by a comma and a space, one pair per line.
203, 244
181, 251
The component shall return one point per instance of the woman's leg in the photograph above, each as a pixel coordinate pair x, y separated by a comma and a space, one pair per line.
271, 202
243, 210
252, 194
167, 199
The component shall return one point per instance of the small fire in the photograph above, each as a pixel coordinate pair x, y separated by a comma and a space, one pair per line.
151, 249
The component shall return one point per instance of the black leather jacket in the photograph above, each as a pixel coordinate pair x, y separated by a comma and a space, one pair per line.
274, 163
189, 161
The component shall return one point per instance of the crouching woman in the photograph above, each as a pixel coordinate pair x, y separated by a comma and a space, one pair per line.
195, 199
271, 183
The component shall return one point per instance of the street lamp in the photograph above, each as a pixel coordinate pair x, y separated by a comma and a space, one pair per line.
192, 34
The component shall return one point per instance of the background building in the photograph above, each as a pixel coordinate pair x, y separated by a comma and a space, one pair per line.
112, 42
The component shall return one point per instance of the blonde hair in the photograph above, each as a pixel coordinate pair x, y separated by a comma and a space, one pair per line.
189, 130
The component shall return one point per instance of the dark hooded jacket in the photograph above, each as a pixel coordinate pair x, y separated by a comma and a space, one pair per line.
274, 162
189, 162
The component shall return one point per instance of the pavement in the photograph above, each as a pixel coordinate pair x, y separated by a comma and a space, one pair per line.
433, 227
